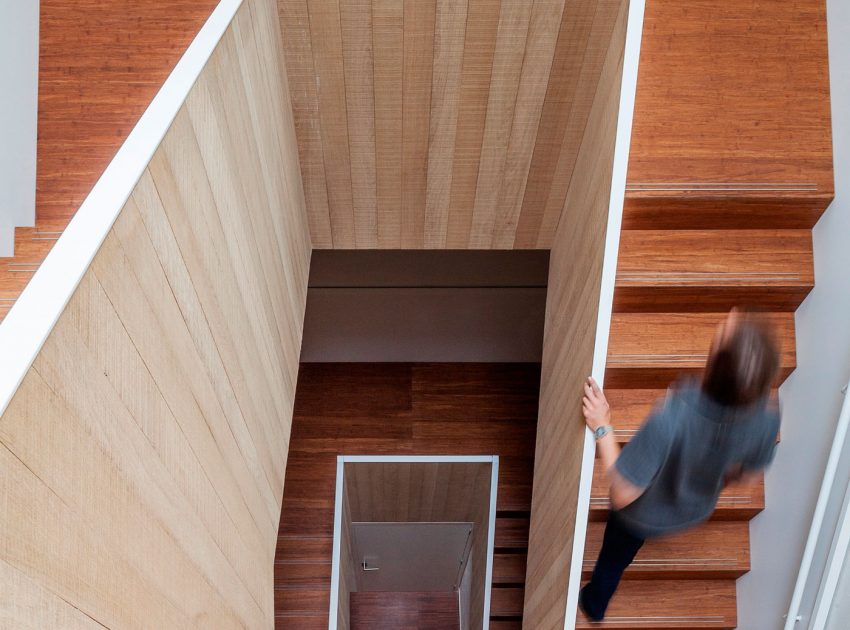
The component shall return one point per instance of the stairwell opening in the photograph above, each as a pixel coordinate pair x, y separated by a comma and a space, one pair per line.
424, 357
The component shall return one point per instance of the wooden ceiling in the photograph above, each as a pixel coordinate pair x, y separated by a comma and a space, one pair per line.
447, 124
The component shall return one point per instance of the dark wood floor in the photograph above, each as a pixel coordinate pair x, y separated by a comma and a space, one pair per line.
405, 611
417, 409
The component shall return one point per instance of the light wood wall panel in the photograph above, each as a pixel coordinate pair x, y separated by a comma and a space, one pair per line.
571, 313
468, 121
143, 455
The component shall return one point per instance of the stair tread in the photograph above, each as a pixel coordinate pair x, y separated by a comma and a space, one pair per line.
713, 270
670, 604
737, 501
715, 549
506, 602
680, 345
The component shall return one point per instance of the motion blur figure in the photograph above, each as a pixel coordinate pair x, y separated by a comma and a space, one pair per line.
701, 437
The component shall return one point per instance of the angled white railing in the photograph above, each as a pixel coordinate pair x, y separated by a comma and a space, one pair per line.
34, 314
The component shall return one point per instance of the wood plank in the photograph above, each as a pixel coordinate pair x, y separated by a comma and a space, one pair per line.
449, 38
542, 38
681, 270
326, 35
584, 43
737, 502
356, 24
298, 49
388, 57
418, 60
405, 611
680, 346
715, 550
504, 82
670, 604
480, 41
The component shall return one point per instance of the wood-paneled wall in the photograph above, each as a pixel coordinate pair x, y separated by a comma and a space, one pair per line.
446, 124
575, 273
143, 456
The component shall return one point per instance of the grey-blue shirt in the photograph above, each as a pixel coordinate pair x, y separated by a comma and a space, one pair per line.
683, 454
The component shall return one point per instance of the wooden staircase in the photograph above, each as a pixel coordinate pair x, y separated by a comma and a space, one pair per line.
471, 409
673, 287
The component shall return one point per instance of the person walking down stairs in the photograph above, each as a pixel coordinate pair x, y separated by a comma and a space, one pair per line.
701, 437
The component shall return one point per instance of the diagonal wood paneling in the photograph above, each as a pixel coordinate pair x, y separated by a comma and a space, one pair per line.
142, 458
441, 123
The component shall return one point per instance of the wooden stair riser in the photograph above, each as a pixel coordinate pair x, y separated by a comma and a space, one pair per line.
714, 550
703, 270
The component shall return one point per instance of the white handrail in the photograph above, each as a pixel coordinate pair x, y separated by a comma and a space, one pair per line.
29, 322
622, 143
815, 531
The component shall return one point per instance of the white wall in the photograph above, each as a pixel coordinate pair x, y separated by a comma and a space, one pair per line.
811, 398
18, 116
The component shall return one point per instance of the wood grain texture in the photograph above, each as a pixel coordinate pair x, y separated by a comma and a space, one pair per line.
148, 433
324, 18
405, 611
388, 58
99, 67
385, 409
571, 314
482, 22
356, 20
702, 120
464, 94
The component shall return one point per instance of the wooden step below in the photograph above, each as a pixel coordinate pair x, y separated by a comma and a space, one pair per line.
680, 346
302, 602
670, 605
713, 270
676, 210
631, 407
738, 502
509, 568
506, 602
714, 550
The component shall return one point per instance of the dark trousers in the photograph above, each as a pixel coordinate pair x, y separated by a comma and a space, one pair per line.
619, 547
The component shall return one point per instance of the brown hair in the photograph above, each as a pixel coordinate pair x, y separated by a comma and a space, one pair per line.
743, 363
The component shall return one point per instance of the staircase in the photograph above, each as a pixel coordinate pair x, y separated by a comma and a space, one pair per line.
673, 287
467, 409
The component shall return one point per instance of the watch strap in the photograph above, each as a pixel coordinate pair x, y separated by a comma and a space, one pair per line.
601, 432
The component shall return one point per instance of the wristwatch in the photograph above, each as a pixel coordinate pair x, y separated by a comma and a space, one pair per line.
601, 432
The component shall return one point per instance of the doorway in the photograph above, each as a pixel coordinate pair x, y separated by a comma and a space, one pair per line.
413, 542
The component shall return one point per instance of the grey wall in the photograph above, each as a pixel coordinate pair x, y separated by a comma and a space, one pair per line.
811, 398
425, 306
18, 116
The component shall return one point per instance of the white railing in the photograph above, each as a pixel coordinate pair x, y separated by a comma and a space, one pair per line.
817, 534
628, 89
29, 322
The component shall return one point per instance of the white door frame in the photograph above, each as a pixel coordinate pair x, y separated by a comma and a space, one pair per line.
341, 460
